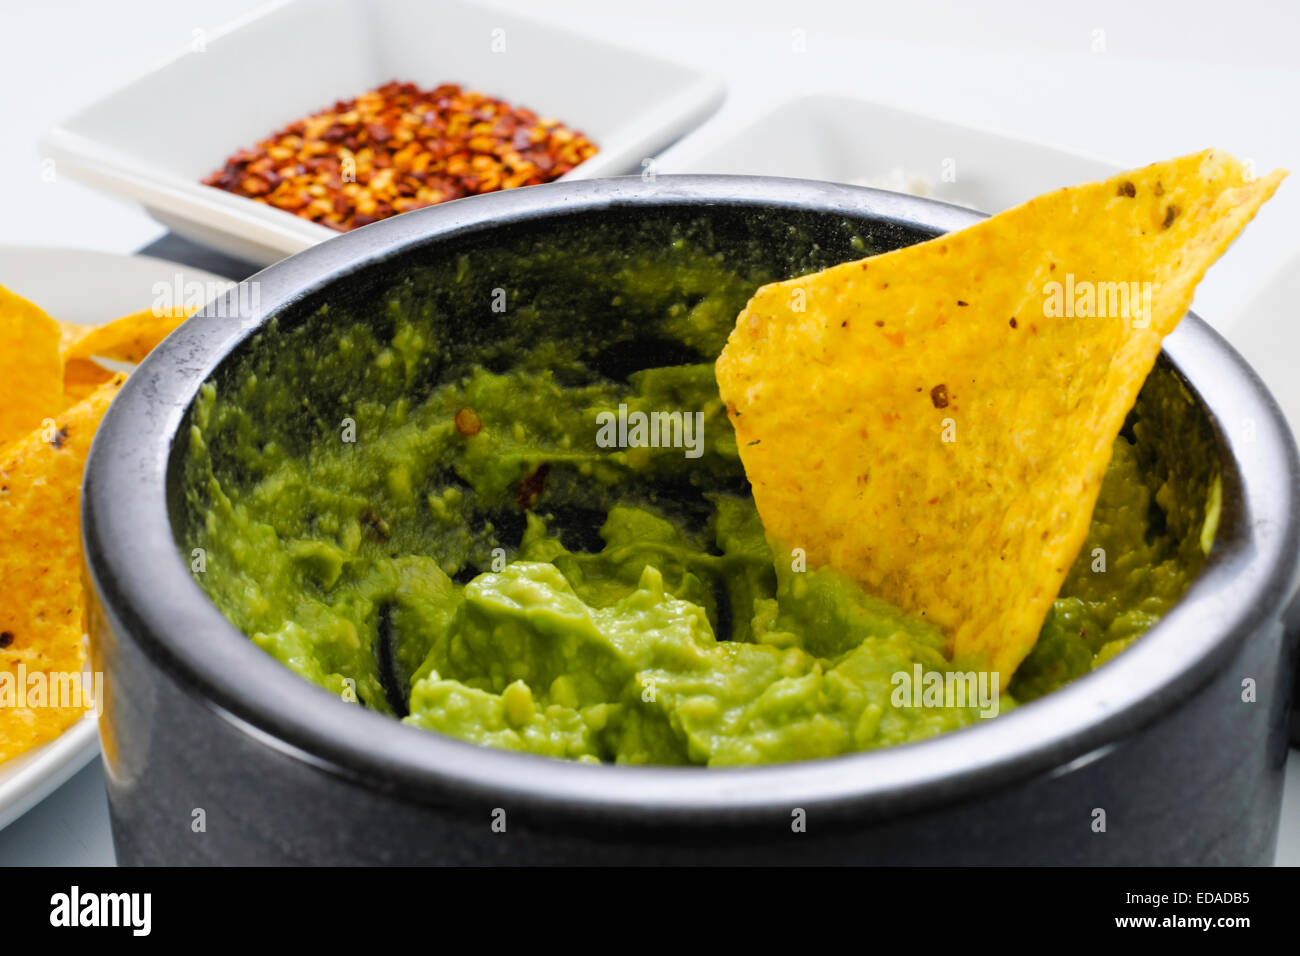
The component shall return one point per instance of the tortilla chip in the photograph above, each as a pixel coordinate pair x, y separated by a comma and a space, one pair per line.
48, 381
935, 422
31, 374
128, 339
70, 332
41, 604
81, 377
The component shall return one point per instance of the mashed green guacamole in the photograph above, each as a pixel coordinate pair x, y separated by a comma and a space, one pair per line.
414, 509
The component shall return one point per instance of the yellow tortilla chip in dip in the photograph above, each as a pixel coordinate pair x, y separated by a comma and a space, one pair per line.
31, 373
935, 422
41, 601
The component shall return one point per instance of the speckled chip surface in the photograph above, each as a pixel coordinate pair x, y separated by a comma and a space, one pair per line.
935, 422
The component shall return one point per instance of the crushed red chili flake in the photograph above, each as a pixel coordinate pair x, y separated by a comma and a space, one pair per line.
398, 148
374, 524
530, 489
468, 422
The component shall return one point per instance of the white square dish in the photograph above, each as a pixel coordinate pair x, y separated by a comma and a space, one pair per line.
155, 139
850, 140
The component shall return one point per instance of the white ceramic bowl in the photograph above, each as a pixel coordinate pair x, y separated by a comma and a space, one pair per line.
849, 140
155, 139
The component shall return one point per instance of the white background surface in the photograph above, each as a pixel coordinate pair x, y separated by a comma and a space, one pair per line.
1173, 77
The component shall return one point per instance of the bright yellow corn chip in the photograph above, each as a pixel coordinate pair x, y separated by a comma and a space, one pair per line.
935, 422
70, 332
41, 601
31, 374
81, 377
128, 339
50, 384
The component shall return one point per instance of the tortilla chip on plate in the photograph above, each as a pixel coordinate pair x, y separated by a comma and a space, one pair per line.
128, 339
81, 377
31, 373
41, 602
